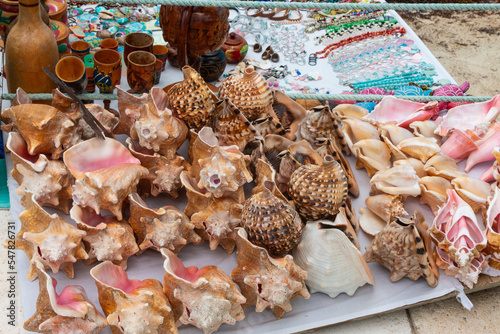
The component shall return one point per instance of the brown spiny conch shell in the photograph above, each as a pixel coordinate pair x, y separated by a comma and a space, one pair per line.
205, 297
417, 165
355, 130
130, 305
48, 180
68, 312
426, 129
106, 173
433, 191
217, 224
380, 211
422, 148
266, 281
231, 127
268, 126
289, 112
107, 239
191, 100
443, 166
250, 93
372, 155
474, 191
271, 222
48, 239
128, 106
318, 191
404, 247
164, 174
398, 180
331, 270
166, 227
45, 129
350, 110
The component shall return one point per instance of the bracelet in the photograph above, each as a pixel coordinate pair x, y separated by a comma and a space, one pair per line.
295, 20
281, 17
258, 13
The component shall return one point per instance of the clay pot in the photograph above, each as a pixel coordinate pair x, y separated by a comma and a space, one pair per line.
137, 41
107, 70
80, 49
61, 32
90, 80
141, 71
58, 10
8, 12
158, 70
72, 71
213, 65
161, 53
235, 47
109, 43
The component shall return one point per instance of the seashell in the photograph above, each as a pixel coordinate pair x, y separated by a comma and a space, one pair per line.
487, 175
370, 223
21, 97
350, 214
398, 180
268, 126
191, 100
164, 174
250, 93
443, 166
105, 173
373, 155
350, 110
417, 165
404, 247
205, 297
380, 210
473, 191
271, 223
459, 145
67, 312
331, 270
468, 278
485, 147
476, 117
401, 112
355, 130
48, 239
128, 107
426, 129
267, 282
166, 227
318, 191
130, 305
45, 129
231, 127
420, 148
433, 191
493, 229
289, 112
48, 180
107, 238
392, 135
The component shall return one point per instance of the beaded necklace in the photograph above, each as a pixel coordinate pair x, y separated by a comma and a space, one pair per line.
349, 30
343, 19
395, 82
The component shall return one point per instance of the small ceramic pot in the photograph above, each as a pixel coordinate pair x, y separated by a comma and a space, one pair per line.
8, 12
58, 10
89, 60
107, 70
72, 71
80, 49
235, 47
161, 53
141, 71
137, 41
90, 80
158, 70
109, 43
213, 65
61, 32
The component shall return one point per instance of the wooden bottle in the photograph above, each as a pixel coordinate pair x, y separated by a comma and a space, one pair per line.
30, 46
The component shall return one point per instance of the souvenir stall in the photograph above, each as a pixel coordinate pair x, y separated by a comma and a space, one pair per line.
176, 187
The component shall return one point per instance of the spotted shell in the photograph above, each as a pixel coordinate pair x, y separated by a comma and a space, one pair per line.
271, 223
318, 191
191, 100
250, 93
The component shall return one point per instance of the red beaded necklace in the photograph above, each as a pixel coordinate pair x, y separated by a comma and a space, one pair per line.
331, 47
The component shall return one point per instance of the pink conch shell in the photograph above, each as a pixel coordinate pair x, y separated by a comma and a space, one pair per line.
484, 151
132, 306
373, 155
477, 117
48, 239
398, 180
401, 112
456, 231
493, 229
67, 312
107, 238
487, 175
205, 297
48, 180
105, 172
267, 282
459, 145
166, 227
451, 268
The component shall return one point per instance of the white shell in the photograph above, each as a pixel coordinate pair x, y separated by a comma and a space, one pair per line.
398, 180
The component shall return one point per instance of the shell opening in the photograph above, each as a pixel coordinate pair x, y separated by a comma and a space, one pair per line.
114, 276
146, 133
215, 180
20, 147
190, 274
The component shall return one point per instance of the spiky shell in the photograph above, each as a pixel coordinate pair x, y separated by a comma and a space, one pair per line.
271, 223
73, 313
48, 180
250, 93
205, 298
48, 239
404, 247
132, 306
318, 191
191, 100
107, 239
128, 106
267, 282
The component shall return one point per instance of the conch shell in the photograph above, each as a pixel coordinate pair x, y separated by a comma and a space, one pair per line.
331, 270
417, 165
470, 277
392, 135
205, 297
493, 229
459, 145
105, 172
355, 130
380, 211
474, 191
48, 239
349, 110
420, 148
132, 306
443, 166
266, 281
404, 247
373, 155
426, 129
485, 147
398, 180
67, 312
433, 191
